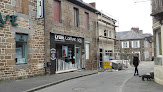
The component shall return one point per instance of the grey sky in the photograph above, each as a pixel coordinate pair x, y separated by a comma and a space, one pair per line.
128, 13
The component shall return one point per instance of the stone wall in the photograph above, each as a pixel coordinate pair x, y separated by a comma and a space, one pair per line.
67, 27
27, 24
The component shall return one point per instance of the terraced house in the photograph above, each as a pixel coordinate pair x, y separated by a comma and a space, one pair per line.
68, 27
71, 35
21, 39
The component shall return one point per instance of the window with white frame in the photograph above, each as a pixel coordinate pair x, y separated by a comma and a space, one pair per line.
135, 44
125, 44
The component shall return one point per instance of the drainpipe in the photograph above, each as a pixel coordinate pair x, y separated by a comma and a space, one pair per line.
44, 36
97, 37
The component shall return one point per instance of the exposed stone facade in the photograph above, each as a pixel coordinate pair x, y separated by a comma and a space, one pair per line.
66, 27
129, 51
107, 32
27, 24
158, 39
148, 50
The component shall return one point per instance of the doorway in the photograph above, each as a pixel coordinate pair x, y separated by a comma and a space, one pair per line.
77, 57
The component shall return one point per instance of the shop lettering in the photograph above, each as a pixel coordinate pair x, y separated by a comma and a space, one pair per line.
59, 37
67, 38
70, 39
12, 20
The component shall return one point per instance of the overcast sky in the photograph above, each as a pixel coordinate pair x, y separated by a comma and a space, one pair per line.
128, 13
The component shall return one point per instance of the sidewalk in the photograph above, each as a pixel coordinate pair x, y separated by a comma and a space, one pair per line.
33, 84
135, 83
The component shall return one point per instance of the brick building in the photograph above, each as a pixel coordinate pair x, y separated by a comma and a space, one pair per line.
21, 40
71, 35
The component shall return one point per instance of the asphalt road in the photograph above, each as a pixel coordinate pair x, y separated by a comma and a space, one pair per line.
116, 81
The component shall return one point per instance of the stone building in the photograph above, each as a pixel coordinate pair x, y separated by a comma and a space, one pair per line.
131, 42
106, 36
70, 35
21, 40
134, 41
148, 47
157, 12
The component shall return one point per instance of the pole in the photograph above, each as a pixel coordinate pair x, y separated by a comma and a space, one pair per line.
45, 36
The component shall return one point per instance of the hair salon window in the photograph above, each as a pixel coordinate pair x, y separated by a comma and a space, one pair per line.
21, 48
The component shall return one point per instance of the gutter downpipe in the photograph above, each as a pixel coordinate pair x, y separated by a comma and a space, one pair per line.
45, 37
97, 45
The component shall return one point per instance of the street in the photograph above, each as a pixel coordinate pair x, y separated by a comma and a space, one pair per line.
117, 81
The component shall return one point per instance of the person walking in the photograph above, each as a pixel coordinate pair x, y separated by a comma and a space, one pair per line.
136, 63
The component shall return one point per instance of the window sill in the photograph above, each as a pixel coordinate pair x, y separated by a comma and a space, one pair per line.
20, 66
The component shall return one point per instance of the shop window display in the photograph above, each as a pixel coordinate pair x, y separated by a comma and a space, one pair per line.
65, 57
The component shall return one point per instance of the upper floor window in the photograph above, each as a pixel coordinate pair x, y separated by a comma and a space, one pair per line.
76, 16
87, 21
105, 32
135, 44
57, 10
22, 6
125, 44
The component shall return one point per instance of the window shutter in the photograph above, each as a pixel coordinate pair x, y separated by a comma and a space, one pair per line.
122, 45
57, 11
127, 44
19, 6
87, 50
25, 6
86, 20
138, 44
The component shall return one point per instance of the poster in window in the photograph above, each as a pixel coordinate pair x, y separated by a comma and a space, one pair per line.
64, 51
18, 53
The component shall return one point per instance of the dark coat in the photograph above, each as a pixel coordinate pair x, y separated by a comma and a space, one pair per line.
135, 61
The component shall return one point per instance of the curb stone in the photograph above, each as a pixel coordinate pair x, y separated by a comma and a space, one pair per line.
57, 82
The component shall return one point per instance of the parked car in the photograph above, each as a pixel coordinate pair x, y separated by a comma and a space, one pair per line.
116, 65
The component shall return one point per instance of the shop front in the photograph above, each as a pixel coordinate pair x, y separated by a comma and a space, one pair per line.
66, 53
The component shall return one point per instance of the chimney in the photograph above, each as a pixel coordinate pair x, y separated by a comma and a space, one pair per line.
136, 29
93, 4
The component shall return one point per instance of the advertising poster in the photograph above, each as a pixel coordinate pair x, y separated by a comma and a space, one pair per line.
64, 51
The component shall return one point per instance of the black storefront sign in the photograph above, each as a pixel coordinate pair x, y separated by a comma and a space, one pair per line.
62, 39
66, 38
